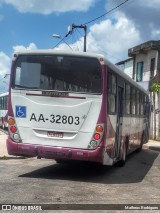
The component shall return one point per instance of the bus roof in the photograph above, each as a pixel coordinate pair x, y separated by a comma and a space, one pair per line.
55, 52
82, 54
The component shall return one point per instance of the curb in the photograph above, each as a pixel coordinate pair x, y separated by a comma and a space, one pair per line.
11, 157
4, 131
155, 148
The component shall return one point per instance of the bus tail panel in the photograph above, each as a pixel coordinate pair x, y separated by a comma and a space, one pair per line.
54, 152
53, 121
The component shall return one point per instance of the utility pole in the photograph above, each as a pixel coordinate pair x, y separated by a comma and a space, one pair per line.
70, 29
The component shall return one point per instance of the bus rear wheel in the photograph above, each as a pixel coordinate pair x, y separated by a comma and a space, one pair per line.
141, 143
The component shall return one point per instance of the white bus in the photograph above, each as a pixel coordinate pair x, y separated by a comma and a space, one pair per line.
3, 110
74, 106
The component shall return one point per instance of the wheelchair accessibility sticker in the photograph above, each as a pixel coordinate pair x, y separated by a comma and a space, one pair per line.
21, 111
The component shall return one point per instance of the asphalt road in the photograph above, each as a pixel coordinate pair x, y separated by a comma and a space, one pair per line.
37, 181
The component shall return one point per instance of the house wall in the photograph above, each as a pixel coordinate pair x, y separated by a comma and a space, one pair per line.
121, 67
128, 68
146, 58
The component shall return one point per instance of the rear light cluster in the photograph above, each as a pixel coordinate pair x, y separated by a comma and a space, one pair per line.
97, 136
14, 134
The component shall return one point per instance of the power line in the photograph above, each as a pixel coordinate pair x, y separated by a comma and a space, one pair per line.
62, 39
106, 13
79, 32
128, 3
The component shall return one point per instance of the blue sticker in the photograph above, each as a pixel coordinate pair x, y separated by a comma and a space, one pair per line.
21, 111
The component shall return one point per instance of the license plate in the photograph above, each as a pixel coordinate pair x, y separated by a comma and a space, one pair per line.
55, 134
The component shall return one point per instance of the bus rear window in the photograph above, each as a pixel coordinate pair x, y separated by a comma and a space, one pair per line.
60, 73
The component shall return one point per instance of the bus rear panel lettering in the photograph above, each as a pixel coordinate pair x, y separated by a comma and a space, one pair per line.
58, 119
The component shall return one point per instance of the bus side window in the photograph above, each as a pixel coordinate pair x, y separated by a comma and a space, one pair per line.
2, 102
127, 99
141, 104
111, 93
145, 104
133, 101
137, 102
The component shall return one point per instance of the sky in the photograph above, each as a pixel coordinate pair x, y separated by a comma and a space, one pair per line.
30, 24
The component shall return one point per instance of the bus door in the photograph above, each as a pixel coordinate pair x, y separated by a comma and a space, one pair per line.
119, 125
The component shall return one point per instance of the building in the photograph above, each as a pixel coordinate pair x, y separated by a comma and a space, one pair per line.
144, 68
126, 66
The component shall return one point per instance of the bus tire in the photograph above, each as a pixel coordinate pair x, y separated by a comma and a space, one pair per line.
62, 161
142, 141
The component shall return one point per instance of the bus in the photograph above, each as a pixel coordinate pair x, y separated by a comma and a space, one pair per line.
74, 106
3, 110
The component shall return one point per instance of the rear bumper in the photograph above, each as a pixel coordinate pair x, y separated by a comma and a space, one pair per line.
49, 152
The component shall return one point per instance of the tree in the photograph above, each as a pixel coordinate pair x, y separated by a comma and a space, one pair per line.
155, 88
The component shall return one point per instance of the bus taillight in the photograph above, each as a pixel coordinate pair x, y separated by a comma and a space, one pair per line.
11, 121
13, 131
99, 128
97, 136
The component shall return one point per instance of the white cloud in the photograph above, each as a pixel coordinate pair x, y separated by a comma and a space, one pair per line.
31, 46
77, 46
113, 38
144, 15
50, 6
5, 63
156, 33
149, 3
140, 3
